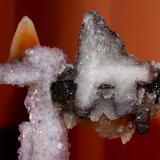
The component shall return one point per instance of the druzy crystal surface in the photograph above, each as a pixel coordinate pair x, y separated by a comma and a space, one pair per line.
105, 87
117, 92
103, 60
45, 135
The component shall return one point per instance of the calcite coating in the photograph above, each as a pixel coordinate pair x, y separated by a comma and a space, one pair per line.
105, 85
45, 135
103, 61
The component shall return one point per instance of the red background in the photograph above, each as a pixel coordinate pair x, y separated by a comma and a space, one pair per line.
58, 23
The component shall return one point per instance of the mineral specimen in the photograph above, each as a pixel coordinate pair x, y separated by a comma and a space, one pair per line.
45, 135
118, 93
103, 60
106, 87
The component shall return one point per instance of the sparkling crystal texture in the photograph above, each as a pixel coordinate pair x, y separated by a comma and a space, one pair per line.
103, 59
45, 135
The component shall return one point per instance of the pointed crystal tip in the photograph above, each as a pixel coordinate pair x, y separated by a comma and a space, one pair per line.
24, 37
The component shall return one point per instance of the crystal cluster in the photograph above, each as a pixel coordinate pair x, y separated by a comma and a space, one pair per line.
106, 87
114, 89
45, 135
118, 93
103, 64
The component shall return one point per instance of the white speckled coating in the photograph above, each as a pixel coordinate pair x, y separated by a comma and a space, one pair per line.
102, 59
44, 137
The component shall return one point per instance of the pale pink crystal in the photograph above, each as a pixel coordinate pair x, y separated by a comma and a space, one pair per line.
44, 137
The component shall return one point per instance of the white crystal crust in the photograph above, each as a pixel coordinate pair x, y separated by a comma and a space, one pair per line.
45, 135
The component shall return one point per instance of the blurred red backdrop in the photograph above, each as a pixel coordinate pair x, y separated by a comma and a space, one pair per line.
58, 23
